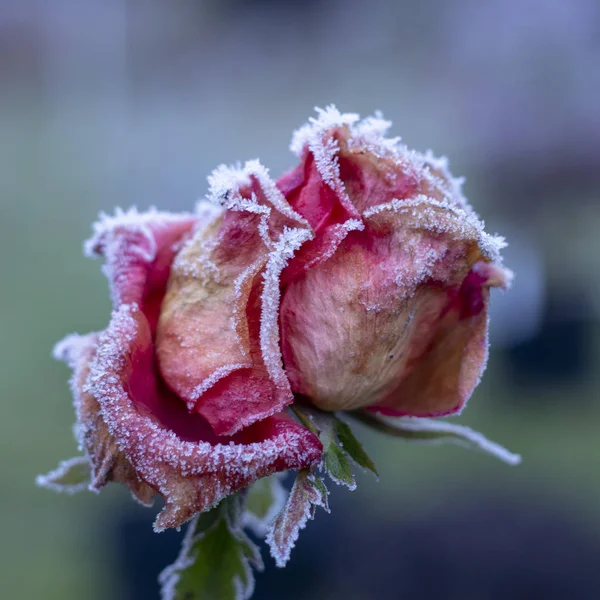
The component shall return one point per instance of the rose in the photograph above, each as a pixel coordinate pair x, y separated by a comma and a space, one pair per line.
359, 280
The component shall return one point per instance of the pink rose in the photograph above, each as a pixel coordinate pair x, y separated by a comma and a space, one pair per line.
359, 280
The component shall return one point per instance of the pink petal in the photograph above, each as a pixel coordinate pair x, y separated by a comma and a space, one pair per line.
218, 335
108, 463
139, 249
176, 453
355, 327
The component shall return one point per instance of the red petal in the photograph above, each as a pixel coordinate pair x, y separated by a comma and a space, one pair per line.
108, 463
139, 249
218, 335
441, 376
355, 327
174, 452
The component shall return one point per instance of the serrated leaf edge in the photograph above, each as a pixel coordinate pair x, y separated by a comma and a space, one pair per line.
170, 576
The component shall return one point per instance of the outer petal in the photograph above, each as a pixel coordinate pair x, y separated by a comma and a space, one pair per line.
448, 369
218, 335
174, 452
139, 249
107, 461
385, 305
363, 167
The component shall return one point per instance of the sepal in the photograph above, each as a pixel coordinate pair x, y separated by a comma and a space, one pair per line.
216, 560
436, 431
307, 493
71, 476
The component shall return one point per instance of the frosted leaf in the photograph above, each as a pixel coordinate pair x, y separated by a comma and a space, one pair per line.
216, 560
70, 476
340, 447
437, 431
338, 467
264, 500
306, 494
352, 447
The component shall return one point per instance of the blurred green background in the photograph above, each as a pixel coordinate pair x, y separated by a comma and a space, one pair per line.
132, 102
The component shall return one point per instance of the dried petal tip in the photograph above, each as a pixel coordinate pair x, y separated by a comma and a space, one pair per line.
494, 275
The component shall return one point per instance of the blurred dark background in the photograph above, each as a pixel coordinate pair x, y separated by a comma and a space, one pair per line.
125, 102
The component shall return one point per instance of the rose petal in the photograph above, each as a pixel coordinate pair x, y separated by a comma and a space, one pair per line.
139, 249
107, 461
354, 327
441, 377
218, 335
176, 453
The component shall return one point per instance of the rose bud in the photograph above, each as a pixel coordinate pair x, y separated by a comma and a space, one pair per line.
359, 280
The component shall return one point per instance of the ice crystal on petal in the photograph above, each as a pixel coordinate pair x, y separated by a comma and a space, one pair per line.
463, 224
76, 351
289, 241
255, 169
130, 239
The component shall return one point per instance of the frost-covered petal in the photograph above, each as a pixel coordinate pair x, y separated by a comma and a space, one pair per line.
175, 452
138, 249
107, 462
441, 376
218, 335
364, 167
354, 328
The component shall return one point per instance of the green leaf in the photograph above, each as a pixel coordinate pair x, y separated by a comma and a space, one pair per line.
263, 501
338, 467
307, 493
216, 559
436, 431
339, 444
73, 475
352, 446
